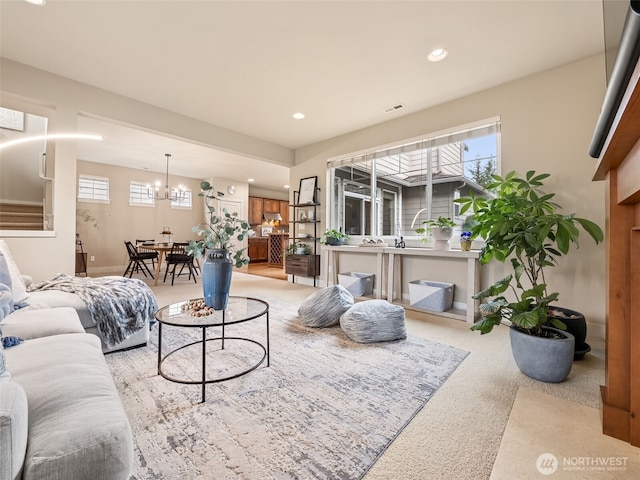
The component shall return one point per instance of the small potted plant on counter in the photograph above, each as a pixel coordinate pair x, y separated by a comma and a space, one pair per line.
441, 230
334, 237
465, 241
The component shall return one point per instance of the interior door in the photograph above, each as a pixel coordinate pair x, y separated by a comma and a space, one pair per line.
234, 206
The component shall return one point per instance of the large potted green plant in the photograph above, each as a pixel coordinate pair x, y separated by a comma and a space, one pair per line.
218, 245
522, 224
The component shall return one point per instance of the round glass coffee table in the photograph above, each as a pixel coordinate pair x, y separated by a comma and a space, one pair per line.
190, 314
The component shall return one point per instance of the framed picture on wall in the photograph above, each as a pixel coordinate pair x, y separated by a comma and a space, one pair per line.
308, 190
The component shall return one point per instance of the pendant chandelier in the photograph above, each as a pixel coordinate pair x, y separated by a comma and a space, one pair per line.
173, 194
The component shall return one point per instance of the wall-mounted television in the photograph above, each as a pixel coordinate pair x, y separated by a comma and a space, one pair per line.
622, 50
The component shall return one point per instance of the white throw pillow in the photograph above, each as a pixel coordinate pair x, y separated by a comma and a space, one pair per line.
18, 289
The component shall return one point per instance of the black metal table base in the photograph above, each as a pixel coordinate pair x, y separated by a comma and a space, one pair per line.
204, 381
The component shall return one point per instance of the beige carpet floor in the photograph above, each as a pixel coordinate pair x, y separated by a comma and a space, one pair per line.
459, 432
533, 450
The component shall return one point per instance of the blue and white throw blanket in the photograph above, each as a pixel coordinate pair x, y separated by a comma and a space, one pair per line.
119, 306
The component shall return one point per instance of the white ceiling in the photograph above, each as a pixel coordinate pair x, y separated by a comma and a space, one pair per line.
249, 65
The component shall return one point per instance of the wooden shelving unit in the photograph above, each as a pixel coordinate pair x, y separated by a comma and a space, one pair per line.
303, 215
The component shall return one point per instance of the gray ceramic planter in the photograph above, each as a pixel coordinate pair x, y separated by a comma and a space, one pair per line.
544, 359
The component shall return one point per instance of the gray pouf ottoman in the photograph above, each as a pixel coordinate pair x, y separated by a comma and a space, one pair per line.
374, 321
324, 307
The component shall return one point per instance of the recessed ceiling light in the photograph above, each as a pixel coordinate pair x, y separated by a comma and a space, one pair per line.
250, 180
298, 116
37, 2
438, 54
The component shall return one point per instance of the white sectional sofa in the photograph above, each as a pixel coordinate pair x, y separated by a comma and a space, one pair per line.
130, 297
60, 414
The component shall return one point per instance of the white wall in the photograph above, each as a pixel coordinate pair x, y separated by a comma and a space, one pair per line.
547, 124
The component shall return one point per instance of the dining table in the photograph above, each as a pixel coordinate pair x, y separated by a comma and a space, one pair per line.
161, 248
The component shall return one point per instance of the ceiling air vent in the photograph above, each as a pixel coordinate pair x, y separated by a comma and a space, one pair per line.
393, 108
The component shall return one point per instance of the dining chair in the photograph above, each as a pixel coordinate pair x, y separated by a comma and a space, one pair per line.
136, 261
146, 253
179, 256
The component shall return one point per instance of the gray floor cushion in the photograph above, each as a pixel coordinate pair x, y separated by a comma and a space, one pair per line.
324, 307
374, 321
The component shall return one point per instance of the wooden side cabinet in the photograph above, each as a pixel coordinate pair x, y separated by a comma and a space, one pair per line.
302, 265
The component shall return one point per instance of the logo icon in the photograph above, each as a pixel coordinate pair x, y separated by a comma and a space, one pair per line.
547, 463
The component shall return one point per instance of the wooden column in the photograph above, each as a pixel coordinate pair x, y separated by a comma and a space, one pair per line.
616, 393
634, 433
619, 166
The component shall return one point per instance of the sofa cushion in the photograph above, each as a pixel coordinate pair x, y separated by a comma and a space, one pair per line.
77, 425
18, 289
13, 429
323, 307
57, 298
374, 321
30, 324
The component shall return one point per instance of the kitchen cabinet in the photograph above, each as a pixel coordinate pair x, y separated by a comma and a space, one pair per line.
270, 205
258, 249
256, 210
284, 212
258, 206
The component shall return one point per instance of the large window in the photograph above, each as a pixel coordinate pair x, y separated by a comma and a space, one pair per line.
392, 190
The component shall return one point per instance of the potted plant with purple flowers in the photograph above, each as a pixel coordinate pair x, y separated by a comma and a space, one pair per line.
465, 241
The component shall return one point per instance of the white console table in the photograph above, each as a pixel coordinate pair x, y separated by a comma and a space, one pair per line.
392, 279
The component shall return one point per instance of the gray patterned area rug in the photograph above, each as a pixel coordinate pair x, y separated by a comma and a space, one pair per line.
326, 407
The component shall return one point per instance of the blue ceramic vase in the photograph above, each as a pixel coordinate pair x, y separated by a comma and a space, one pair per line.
216, 278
